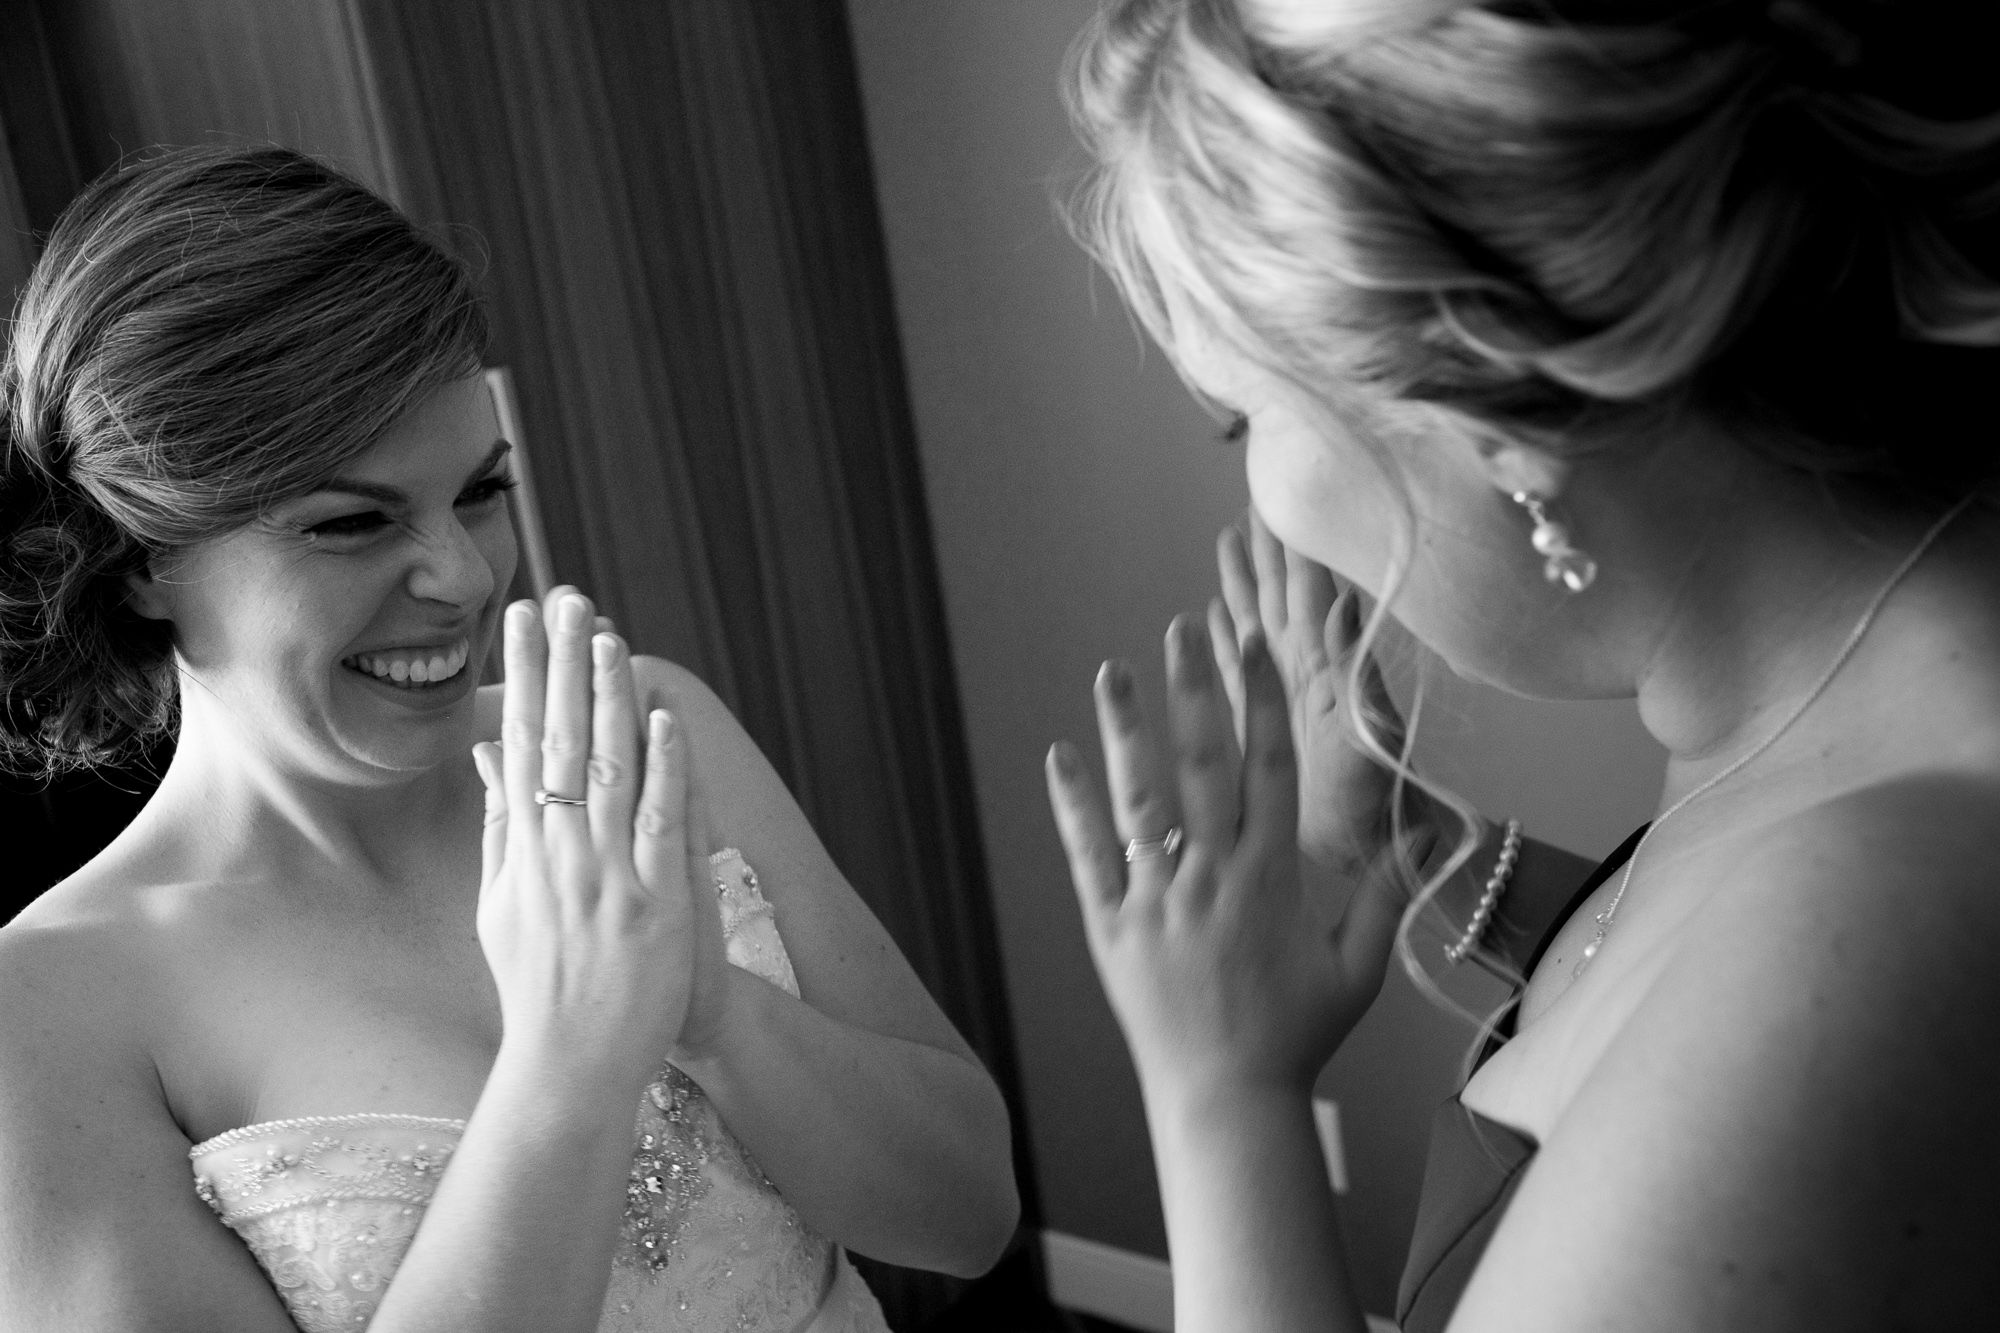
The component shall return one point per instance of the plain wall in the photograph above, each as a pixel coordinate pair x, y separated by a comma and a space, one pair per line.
1075, 493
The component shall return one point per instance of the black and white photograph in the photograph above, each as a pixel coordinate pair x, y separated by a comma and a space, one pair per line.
999, 666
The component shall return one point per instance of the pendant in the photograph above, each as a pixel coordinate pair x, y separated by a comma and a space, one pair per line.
1589, 952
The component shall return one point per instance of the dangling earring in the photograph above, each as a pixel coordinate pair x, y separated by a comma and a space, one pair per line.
1564, 564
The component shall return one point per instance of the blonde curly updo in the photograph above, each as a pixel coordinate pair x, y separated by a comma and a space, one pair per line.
1567, 219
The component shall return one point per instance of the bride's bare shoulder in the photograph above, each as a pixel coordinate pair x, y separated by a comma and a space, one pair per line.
74, 985
721, 743
99, 941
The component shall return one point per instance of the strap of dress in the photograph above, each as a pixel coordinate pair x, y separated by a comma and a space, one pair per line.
1504, 1030
1605, 869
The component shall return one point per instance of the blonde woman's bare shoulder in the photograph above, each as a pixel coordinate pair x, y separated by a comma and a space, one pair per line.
1876, 910
1913, 857
1792, 1129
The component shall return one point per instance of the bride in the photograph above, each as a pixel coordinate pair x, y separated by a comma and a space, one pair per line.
403, 1004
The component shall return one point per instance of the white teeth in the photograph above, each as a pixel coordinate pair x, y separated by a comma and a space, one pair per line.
412, 670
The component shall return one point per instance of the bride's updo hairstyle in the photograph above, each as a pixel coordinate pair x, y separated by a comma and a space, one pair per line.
1573, 222
209, 332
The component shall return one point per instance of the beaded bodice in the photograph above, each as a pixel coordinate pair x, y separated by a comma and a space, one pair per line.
330, 1204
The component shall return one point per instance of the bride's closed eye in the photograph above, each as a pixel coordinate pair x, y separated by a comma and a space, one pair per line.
348, 525
487, 489
482, 492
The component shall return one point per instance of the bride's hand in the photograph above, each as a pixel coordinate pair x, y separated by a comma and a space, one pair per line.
1312, 625
589, 914
1223, 970
708, 998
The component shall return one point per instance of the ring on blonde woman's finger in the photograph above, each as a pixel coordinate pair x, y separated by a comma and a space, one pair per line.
543, 796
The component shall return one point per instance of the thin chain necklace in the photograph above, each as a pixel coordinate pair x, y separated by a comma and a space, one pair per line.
1819, 687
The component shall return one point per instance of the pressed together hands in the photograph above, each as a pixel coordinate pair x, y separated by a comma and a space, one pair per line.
1226, 969
597, 919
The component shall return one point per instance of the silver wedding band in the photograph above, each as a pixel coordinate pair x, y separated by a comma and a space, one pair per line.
545, 797
1165, 845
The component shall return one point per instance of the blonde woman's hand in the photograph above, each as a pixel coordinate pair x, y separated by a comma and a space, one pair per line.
590, 915
1222, 968
1313, 625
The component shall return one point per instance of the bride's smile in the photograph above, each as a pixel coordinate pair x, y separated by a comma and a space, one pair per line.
352, 622
405, 1002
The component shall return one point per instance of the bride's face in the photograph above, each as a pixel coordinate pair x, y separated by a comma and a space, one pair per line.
342, 633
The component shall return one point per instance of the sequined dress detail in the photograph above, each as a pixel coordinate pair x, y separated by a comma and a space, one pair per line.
330, 1204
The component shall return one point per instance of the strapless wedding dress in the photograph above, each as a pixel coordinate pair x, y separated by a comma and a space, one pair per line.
329, 1204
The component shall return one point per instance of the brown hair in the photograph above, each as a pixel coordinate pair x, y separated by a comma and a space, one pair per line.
209, 331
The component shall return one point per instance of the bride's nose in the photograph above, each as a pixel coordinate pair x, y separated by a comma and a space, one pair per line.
450, 567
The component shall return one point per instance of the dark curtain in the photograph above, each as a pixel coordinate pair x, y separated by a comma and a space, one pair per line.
673, 208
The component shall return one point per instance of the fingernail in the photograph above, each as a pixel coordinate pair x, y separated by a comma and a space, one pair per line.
660, 727
604, 650
1116, 679
570, 612
519, 614
1191, 648
1064, 758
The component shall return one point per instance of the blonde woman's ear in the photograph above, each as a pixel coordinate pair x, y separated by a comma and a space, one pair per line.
1515, 468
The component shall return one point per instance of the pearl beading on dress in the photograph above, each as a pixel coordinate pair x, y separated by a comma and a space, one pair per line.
327, 1169
230, 1138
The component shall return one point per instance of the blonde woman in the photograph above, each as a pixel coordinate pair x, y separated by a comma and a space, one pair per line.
1613, 349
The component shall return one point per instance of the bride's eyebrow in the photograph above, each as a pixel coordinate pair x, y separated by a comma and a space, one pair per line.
389, 495
499, 451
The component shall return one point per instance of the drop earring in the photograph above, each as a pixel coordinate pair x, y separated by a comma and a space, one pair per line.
1562, 562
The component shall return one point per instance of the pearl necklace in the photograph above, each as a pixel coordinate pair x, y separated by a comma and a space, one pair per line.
1819, 687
